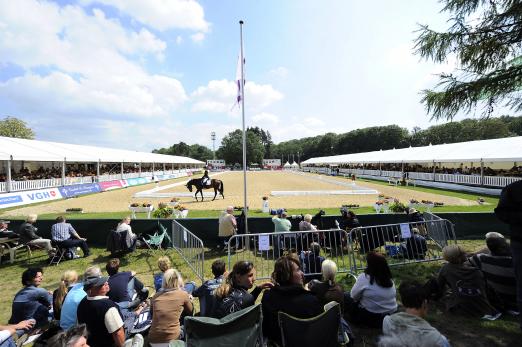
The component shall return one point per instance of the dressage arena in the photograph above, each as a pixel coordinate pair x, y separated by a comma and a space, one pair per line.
283, 189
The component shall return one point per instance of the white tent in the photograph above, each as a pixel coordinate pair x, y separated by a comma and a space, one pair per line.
33, 150
496, 150
295, 165
287, 165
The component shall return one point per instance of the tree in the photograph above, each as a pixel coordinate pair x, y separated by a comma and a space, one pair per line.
231, 149
200, 152
266, 140
14, 127
489, 53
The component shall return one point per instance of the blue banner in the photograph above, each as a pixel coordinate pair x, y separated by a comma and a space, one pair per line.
11, 199
79, 189
138, 180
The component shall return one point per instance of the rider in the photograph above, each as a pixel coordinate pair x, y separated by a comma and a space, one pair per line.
205, 180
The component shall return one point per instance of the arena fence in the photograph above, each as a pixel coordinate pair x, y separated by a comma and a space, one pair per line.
263, 249
402, 243
190, 248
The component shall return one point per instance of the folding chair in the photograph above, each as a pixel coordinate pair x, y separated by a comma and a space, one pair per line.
58, 255
242, 328
157, 239
321, 330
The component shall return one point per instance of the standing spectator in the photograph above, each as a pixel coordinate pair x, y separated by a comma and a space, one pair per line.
287, 295
205, 293
233, 295
281, 225
227, 225
497, 268
31, 302
466, 289
168, 305
408, 328
509, 210
65, 236
28, 235
348, 220
68, 316
5, 232
68, 280
102, 316
373, 295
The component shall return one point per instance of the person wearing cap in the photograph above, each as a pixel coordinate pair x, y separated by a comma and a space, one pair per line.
64, 235
497, 267
227, 225
5, 232
281, 225
102, 316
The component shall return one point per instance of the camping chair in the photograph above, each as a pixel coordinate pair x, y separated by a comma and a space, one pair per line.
157, 239
58, 255
242, 328
321, 330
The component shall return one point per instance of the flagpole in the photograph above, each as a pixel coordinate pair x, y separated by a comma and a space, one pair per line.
245, 205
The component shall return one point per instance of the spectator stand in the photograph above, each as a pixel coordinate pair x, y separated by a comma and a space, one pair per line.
190, 248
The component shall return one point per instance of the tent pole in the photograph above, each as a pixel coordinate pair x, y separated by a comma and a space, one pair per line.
63, 172
121, 170
139, 170
98, 170
481, 173
163, 168
8, 181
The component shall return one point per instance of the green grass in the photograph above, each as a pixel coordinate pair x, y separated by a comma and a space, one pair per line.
461, 331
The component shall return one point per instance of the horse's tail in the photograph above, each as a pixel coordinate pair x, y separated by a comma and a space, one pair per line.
221, 187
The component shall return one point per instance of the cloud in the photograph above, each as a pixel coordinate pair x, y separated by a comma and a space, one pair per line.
219, 95
162, 14
198, 37
279, 72
265, 119
93, 64
179, 39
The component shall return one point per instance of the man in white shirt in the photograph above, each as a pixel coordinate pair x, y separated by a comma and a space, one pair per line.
227, 225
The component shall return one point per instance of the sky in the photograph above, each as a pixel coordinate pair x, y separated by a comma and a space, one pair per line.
141, 75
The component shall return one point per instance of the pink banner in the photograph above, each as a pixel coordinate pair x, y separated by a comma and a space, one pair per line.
110, 185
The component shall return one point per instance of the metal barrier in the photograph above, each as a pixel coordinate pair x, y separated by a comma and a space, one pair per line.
263, 249
190, 248
402, 243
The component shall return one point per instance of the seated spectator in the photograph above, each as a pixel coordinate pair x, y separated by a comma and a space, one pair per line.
74, 337
5, 232
327, 290
463, 286
497, 268
485, 250
27, 232
163, 265
8, 331
124, 285
348, 220
287, 295
31, 302
168, 305
205, 293
232, 295
68, 280
64, 235
102, 316
124, 226
373, 295
311, 262
415, 246
68, 317
408, 328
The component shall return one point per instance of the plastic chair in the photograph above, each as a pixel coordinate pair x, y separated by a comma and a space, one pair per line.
321, 330
242, 328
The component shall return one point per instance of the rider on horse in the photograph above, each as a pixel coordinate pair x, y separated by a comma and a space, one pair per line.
205, 180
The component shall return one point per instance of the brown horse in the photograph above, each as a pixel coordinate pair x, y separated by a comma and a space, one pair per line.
198, 183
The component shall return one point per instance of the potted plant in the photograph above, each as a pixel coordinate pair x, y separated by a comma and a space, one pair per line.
163, 211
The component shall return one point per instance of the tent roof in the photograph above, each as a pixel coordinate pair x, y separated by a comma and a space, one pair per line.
33, 150
495, 150
287, 164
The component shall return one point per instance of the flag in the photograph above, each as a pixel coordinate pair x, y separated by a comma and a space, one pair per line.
238, 79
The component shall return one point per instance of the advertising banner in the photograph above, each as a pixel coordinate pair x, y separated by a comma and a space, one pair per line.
108, 185
138, 180
29, 197
79, 189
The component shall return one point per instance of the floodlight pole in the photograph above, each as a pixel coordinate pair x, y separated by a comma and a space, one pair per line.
242, 60
213, 138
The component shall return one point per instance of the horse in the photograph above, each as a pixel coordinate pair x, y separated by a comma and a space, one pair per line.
198, 183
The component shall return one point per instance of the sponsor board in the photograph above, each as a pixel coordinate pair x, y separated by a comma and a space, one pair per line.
137, 181
79, 189
29, 197
108, 185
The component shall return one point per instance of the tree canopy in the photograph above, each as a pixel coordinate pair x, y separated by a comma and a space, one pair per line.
485, 36
195, 151
231, 149
14, 127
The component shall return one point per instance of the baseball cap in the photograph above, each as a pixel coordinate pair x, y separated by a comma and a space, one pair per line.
4, 221
94, 281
